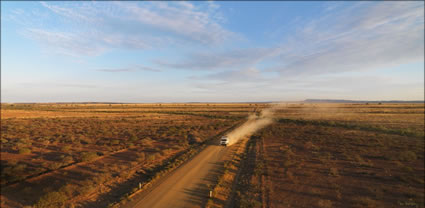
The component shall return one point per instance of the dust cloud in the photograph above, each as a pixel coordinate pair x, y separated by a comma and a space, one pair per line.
254, 123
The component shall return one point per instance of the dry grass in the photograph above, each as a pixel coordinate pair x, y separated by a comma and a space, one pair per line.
344, 156
95, 149
314, 155
223, 186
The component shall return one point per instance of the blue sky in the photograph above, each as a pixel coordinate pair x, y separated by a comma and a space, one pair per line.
211, 51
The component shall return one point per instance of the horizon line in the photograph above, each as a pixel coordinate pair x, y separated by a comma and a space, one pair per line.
188, 102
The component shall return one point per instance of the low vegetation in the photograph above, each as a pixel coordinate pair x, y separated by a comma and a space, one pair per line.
313, 155
96, 154
222, 183
305, 159
249, 186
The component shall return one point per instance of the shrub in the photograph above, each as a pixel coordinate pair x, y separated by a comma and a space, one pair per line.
115, 142
288, 154
287, 163
54, 165
408, 156
192, 139
85, 141
310, 146
324, 203
359, 159
147, 142
51, 200
133, 138
69, 190
130, 145
290, 175
141, 156
87, 186
24, 150
88, 156
365, 202
248, 203
66, 148
13, 172
102, 178
20, 167
68, 159
333, 172
151, 157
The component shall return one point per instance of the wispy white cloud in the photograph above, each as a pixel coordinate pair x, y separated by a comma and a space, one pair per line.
362, 37
80, 13
335, 55
182, 19
93, 28
66, 43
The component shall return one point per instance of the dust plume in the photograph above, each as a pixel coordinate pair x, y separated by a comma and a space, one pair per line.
254, 123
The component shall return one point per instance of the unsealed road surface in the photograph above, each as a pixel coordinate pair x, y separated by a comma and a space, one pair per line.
185, 187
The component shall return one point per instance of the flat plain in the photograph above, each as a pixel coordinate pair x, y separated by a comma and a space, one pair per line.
337, 155
312, 155
83, 154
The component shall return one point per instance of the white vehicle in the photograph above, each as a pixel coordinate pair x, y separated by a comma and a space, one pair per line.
224, 140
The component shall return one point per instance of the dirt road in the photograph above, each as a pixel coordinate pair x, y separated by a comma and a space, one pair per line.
187, 186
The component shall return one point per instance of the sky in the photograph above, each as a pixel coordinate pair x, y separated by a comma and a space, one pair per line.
206, 51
